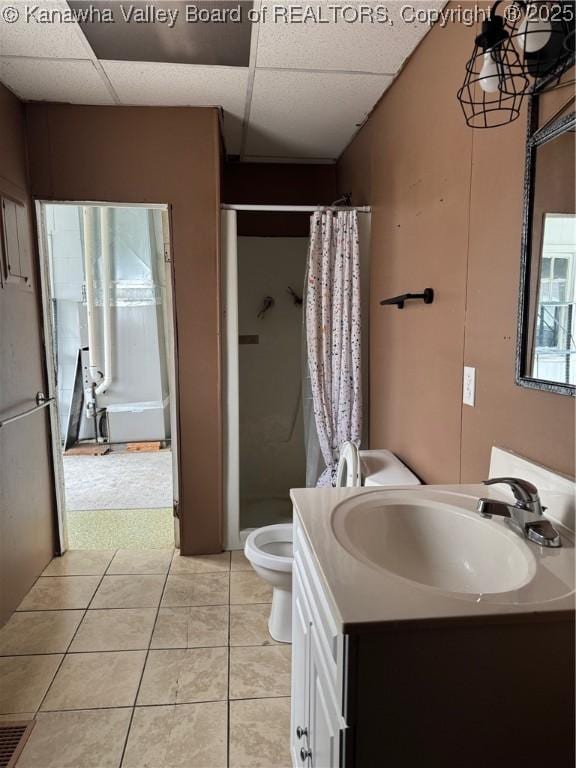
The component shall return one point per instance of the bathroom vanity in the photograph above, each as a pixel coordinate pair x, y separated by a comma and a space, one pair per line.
425, 635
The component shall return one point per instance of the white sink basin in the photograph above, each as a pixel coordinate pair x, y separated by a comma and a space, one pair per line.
434, 539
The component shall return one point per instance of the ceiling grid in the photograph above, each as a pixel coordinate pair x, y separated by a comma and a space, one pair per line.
299, 95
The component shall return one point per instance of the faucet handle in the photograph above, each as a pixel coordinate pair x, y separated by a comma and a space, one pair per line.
524, 491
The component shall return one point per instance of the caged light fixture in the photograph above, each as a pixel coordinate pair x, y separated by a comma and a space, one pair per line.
518, 48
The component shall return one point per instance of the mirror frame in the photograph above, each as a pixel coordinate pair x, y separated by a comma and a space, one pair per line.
536, 137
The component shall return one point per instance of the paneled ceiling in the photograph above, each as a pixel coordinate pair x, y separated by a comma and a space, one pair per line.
294, 82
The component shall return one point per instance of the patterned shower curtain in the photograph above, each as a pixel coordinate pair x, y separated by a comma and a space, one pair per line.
333, 333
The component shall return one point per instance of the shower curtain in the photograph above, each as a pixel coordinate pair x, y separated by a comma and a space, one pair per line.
333, 336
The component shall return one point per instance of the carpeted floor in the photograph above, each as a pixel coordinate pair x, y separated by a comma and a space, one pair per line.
121, 529
119, 480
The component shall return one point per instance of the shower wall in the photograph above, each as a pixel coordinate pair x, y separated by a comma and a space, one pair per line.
272, 456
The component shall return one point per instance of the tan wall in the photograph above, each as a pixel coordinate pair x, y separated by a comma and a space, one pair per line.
447, 214
153, 155
26, 489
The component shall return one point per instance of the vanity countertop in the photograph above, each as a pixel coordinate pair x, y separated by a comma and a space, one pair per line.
362, 593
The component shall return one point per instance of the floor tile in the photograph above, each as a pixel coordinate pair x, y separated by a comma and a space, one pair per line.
115, 629
260, 733
80, 562
240, 562
249, 588
84, 739
182, 736
129, 592
24, 681
131, 561
200, 563
185, 676
38, 632
198, 627
249, 625
196, 589
257, 672
51, 593
94, 680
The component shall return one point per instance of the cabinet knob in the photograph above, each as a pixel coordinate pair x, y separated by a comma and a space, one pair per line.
305, 754
301, 732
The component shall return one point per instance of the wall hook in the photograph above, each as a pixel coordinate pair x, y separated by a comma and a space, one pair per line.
427, 296
297, 299
267, 304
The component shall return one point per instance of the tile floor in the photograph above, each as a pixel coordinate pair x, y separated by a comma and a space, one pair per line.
146, 659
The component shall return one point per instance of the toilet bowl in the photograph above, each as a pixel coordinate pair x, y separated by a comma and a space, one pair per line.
269, 550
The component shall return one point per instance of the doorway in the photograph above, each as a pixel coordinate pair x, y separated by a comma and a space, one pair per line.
110, 348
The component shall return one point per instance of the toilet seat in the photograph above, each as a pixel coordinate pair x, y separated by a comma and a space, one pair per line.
348, 473
271, 547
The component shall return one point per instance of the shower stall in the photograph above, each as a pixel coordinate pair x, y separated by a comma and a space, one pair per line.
271, 432
267, 406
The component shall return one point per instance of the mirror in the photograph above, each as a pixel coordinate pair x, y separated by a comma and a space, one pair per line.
547, 313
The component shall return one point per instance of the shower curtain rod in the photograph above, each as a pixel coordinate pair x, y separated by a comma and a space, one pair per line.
296, 208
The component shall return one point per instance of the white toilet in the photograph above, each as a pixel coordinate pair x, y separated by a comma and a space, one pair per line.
269, 549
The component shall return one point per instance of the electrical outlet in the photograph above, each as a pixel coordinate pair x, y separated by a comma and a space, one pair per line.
469, 388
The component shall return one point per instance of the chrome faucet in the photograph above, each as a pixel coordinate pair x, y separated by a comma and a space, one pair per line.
525, 516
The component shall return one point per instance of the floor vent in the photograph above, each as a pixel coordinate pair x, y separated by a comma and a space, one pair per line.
13, 736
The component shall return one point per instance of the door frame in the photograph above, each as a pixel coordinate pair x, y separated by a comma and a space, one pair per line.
230, 377
51, 363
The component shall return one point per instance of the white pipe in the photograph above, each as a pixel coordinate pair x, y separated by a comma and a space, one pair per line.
93, 348
295, 208
106, 308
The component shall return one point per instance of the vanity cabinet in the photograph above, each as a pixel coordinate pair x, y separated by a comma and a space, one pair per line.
318, 724
409, 694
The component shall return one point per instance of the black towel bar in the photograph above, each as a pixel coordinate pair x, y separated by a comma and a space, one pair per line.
427, 297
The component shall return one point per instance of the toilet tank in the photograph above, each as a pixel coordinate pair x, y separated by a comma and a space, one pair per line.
382, 467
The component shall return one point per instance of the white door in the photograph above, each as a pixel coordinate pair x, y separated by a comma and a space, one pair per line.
325, 721
52, 376
301, 624
170, 330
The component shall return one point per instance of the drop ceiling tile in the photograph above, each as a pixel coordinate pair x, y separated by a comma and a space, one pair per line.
358, 46
30, 36
76, 82
308, 114
160, 84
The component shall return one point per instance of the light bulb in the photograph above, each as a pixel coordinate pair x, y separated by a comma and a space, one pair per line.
533, 32
488, 78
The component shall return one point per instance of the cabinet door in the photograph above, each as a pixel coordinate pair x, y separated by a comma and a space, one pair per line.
301, 623
326, 722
